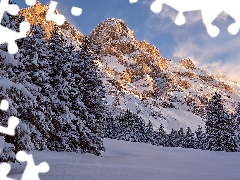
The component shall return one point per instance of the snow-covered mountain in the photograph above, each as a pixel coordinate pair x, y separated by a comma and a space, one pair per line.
138, 78
135, 75
57, 82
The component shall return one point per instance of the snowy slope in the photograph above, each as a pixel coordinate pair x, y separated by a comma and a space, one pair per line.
135, 161
138, 78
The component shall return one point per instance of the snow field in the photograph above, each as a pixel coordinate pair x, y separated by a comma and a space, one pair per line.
136, 161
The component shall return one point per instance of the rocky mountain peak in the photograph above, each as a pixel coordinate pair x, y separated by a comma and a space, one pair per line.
112, 31
187, 63
113, 38
128, 65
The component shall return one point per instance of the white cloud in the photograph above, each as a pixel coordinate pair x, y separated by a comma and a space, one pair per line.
220, 54
215, 55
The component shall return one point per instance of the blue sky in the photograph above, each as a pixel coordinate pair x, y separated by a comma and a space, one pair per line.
220, 54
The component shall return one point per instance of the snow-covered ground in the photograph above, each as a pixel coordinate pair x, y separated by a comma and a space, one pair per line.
136, 161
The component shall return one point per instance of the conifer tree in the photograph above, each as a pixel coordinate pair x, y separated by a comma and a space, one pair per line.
219, 127
189, 138
149, 133
126, 126
199, 141
138, 126
180, 139
236, 118
160, 136
54, 88
173, 138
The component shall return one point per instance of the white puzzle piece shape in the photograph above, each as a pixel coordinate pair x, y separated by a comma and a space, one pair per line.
76, 11
12, 124
4, 105
30, 2
31, 171
51, 16
210, 11
12, 121
4, 170
133, 1
7, 35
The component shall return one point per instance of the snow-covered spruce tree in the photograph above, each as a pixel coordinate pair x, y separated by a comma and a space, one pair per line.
45, 83
237, 138
219, 127
180, 138
149, 133
112, 128
139, 129
63, 136
236, 121
236, 117
34, 62
93, 94
126, 126
13, 89
133, 127
189, 138
168, 139
199, 140
173, 138
160, 136
78, 97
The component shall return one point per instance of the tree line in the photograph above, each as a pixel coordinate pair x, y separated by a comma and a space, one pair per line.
221, 130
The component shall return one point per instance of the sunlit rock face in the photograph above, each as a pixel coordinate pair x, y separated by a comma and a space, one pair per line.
187, 63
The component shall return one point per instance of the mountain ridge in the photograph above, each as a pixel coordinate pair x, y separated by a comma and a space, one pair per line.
141, 80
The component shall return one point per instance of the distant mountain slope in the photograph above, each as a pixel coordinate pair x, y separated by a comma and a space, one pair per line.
138, 78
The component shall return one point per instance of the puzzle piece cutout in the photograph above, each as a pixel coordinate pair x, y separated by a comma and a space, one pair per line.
4, 105
4, 170
59, 18
12, 121
10, 8
8, 35
31, 171
12, 124
12, 36
133, 1
30, 2
13, 9
210, 10
76, 11
51, 16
